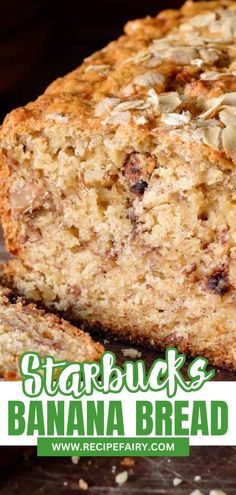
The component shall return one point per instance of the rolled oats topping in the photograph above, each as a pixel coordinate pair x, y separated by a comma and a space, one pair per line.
228, 116
176, 118
102, 68
57, 117
183, 77
104, 105
229, 141
169, 102
149, 79
203, 20
211, 136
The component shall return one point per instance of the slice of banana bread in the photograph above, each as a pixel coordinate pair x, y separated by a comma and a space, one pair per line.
24, 328
118, 185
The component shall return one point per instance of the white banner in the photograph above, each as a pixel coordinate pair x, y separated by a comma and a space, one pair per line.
206, 417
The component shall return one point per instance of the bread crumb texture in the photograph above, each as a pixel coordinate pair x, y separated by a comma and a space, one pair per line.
122, 477
25, 328
83, 485
118, 185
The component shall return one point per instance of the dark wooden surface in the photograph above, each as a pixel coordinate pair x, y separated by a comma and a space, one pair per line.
22, 473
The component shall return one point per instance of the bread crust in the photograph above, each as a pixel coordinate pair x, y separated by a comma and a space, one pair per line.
9, 226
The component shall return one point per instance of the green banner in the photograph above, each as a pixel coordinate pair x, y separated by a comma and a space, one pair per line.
104, 447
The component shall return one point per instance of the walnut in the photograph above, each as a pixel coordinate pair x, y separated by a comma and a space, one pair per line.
218, 282
139, 165
140, 187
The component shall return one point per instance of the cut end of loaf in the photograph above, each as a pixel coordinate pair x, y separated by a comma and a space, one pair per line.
24, 328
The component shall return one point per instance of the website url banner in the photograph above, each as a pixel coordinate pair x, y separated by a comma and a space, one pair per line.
103, 447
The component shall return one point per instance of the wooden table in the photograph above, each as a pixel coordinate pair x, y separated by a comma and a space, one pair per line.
22, 473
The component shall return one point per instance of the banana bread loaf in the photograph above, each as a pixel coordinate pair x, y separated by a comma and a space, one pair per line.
118, 185
25, 328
